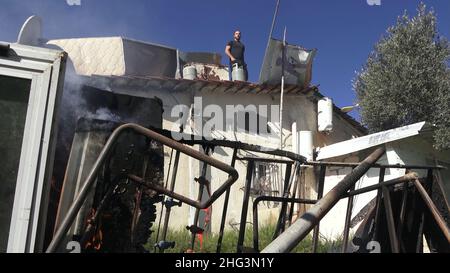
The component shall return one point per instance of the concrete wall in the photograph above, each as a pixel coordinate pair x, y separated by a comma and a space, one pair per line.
297, 109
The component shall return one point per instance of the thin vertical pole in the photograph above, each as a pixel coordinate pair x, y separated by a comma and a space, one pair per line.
378, 204
248, 183
390, 220
348, 218
282, 88
320, 186
225, 207
282, 217
172, 188
199, 198
272, 27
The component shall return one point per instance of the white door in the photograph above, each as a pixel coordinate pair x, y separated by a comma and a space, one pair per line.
30, 83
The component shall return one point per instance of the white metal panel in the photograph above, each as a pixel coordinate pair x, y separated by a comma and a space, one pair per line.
361, 143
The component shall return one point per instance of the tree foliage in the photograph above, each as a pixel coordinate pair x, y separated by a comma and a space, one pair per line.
407, 78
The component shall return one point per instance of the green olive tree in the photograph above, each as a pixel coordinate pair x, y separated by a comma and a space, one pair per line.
407, 78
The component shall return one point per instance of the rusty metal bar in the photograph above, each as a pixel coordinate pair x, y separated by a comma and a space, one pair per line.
393, 166
348, 218
300, 229
320, 185
401, 220
248, 183
297, 181
162, 206
282, 215
390, 220
378, 202
434, 211
189, 139
78, 202
419, 245
201, 188
225, 207
171, 188
272, 199
269, 160
406, 178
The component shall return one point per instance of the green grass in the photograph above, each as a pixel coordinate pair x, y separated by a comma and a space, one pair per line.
229, 242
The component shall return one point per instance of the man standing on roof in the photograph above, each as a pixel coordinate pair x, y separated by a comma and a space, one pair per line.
235, 51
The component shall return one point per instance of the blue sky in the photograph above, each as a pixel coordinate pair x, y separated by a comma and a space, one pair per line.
343, 31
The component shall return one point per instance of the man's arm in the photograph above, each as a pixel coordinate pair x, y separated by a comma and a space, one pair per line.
228, 52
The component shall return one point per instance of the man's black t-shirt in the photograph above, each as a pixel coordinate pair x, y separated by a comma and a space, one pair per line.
237, 49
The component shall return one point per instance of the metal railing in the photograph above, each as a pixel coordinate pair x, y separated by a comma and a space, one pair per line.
78, 202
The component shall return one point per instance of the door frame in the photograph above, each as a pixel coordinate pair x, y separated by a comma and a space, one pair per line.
45, 68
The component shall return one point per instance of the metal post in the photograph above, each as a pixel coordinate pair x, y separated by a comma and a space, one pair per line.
390, 220
378, 203
199, 198
225, 207
282, 216
434, 211
401, 221
248, 183
300, 229
320, 185
162, 204
297, 181
171, 188
348, 218
272, 26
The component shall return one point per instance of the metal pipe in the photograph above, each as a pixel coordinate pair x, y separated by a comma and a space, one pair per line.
320, 185
248, 183
272, 27
378, 166
189, 139
201, 188
297, 181
348, 218
406, 178
378, 203
171, 188
162, 204
273, 199
281, 218
269, 160
225, 208
401, 220
78, 202
434, 211
300, 229
390, 220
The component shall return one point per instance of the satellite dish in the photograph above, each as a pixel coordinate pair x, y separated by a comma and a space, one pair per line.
31, 32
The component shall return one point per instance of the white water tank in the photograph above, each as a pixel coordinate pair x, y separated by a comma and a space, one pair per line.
325, 115
306, 145
189, 72
238, 73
